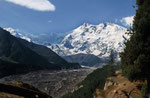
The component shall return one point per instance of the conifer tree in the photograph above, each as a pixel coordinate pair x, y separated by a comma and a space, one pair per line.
135, 60
111, 63
112, 58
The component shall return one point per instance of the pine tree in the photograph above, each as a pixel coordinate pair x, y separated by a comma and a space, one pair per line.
112, 59
111, 63
135, 60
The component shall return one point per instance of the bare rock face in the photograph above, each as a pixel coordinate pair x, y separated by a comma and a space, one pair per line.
108, 84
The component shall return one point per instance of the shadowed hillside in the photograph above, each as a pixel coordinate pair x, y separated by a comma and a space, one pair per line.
18, 56
20, 90
47, 53
12, 49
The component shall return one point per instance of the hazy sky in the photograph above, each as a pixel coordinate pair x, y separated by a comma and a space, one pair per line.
43, 16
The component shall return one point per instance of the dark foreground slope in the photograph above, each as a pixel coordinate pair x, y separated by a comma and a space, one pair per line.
10, 68
20, 90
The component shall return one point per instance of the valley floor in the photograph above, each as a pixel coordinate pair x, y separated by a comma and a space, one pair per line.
54, 83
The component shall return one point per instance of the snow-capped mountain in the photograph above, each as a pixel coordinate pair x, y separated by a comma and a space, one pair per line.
88, 39
42, 39
93, 39
19, 35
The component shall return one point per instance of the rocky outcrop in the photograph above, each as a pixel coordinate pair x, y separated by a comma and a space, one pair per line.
109, 84
118, 87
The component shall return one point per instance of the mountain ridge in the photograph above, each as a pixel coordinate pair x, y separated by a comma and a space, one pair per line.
11, 48
20, 56
42, 39
98, 40
86, 60
93, 39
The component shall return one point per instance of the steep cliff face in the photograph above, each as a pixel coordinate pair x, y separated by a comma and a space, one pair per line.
118, 87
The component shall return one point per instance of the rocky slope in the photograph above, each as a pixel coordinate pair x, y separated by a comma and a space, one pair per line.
98, 40
119, 87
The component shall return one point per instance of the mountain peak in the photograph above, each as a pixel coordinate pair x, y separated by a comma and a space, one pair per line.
86, 24
14, 32
93, 39
105, 24
101, 25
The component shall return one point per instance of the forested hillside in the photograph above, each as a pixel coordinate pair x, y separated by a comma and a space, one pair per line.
135, 59
94, 80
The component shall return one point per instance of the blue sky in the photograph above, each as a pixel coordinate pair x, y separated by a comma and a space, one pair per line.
62, 15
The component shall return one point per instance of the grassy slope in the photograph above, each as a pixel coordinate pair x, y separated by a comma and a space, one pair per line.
88, 86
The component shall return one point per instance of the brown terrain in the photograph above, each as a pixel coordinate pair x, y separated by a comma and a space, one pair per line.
20, 90
119, 87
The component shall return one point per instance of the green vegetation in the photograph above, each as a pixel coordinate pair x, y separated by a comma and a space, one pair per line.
94, 80
135, 59
88, 86
111, 63
144, 91
112, 59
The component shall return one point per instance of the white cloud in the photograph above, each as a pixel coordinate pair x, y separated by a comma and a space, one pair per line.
127, 21
39, 5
